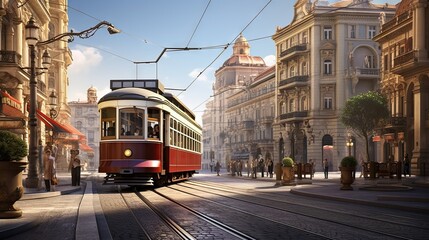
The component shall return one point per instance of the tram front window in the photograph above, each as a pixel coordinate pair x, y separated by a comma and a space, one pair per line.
153, 130
131, 122
108, 118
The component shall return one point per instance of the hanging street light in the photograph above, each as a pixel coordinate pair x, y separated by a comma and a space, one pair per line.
32, 38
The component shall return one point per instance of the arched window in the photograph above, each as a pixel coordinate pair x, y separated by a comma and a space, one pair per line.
304, 70
283, 108
303, 105
292, 71
292, 105
327, 67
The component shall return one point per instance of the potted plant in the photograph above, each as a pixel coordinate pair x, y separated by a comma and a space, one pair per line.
12, 150
347, 168
287, 167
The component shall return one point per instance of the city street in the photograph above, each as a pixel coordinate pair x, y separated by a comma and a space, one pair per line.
228, 207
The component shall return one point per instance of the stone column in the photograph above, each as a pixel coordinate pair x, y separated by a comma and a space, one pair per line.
315, 68
420, 160
419, 19
340, 68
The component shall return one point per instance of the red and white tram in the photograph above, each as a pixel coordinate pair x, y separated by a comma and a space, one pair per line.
147, 136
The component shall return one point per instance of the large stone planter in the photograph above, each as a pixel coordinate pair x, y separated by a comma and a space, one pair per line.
288, 176
347, 178
11, 188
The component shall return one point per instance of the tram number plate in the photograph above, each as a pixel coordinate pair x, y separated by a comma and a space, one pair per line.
126, 171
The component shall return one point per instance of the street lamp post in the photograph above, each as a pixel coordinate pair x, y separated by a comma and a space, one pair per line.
350, 145
32, 38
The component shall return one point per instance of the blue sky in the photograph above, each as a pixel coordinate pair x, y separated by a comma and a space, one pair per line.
150, 25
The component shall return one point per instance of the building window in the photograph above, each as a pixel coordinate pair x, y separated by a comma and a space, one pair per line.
327, 32
352, 31
327, 67
369, 62
78, 111
303, 104
292, 106
327, 103
304, 37
283, 108
292, 72
304, 70
90, 136
371, 32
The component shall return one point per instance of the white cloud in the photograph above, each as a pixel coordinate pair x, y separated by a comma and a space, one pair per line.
203, 77
84, 59
270, 60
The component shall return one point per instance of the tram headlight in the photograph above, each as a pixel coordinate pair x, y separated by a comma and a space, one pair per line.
128, 152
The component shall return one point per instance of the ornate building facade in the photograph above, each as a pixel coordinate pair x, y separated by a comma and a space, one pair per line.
325, 56
250, 117
52, 19
405, 80
237, 73
85, 118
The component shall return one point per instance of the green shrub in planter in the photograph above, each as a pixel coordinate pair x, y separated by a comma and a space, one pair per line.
287, 162
349, 162
11, 147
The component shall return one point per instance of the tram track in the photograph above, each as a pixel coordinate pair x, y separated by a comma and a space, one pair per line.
313, 216
423, 225
175, 226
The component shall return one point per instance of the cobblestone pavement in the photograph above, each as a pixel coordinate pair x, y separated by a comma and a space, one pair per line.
56, 216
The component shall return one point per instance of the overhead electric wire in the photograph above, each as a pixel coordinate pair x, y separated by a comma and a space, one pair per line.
196, 27
332, 10
226, 47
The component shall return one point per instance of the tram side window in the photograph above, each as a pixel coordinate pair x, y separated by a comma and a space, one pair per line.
131, 122
153, 116
108, 118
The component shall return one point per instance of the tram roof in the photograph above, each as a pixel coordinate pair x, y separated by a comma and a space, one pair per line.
138, 93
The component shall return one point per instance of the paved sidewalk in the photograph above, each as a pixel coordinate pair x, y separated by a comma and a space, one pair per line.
30, 217
409, 194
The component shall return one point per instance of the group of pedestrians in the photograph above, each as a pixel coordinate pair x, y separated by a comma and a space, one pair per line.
49, 167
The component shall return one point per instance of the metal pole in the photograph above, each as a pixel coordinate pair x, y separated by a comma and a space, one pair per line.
32, 180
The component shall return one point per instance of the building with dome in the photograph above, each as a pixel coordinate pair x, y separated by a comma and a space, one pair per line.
325, 56
85, 118
404, 69
236, 74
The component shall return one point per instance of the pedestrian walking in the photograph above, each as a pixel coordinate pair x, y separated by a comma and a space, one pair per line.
211, 166
270, 168
240, 168
248, 167
74, 167
407, 165
48, 168
217, 167
325, 165
313, 167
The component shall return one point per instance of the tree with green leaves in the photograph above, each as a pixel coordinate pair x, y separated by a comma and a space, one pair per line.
365, 112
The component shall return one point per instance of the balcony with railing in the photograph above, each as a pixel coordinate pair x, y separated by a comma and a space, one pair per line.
368, 72
294, 115
248, 125
10, 57
266, 120
404, 62
294, 80
396, 21
396, 122
297, 49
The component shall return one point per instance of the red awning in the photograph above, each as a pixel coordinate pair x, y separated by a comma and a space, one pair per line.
10, 106
51, 123
85, 148
73, 130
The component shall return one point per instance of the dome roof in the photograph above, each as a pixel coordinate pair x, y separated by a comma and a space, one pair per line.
241, 55
241, 41
243, 60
